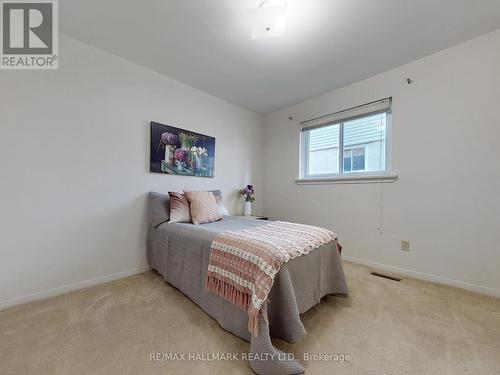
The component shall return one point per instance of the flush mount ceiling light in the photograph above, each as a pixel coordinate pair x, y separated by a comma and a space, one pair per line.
269, 19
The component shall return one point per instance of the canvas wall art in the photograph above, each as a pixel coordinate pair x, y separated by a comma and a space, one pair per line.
181, 152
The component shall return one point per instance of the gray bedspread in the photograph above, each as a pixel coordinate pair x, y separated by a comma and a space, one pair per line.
180, 253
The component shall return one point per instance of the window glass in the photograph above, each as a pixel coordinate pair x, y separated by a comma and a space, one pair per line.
356, 145
324, 150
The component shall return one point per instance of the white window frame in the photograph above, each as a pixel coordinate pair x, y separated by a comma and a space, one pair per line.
384, 106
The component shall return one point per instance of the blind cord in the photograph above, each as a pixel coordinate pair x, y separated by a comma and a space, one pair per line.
381, 218
382, 149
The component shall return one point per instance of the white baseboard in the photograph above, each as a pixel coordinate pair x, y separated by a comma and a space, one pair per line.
70, 287
425, 276
134, 271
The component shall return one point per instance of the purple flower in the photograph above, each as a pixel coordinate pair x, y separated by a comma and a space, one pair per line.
169, 138
247, 192
181, 155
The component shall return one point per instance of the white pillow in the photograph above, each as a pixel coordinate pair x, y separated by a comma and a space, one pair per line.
220, 203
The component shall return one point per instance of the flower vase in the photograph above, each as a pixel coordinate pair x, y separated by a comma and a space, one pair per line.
180, 165
196, 161
248, 209
193, 159
169, 154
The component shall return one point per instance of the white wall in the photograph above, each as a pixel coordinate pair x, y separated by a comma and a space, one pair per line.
446, 149
74, 166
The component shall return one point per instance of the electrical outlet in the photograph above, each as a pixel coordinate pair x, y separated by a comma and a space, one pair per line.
405, 245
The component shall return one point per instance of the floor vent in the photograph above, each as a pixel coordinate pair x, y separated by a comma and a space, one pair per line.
378, 274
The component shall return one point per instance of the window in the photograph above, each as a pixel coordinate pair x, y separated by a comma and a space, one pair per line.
351, 142
354, 159
324, 150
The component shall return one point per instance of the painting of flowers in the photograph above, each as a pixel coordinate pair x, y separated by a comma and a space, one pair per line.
181, 152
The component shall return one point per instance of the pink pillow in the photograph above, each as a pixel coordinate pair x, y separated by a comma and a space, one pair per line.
179, 208
203, 207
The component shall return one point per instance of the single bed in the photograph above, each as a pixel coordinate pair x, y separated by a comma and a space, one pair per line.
180, 253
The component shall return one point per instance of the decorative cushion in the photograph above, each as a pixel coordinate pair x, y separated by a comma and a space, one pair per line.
203, 206
218, 198
159, 211
179, 208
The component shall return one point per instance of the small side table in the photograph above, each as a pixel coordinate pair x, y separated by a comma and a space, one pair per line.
253, 217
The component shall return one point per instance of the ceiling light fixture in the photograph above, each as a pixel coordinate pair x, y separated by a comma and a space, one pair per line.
269, 19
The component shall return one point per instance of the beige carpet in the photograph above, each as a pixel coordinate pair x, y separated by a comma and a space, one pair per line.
385, 327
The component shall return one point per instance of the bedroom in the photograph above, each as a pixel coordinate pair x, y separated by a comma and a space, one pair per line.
375, 121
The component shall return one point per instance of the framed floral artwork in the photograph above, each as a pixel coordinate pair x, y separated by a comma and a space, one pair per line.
181, 152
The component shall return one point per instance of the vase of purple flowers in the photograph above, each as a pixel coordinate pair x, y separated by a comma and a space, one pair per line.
169, 141
181, 157
247, 193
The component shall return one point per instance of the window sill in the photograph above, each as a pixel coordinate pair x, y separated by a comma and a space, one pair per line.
353, 178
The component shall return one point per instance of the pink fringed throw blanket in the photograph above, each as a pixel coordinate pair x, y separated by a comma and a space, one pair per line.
243, 263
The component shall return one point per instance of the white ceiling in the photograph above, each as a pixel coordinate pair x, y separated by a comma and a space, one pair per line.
328, 44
